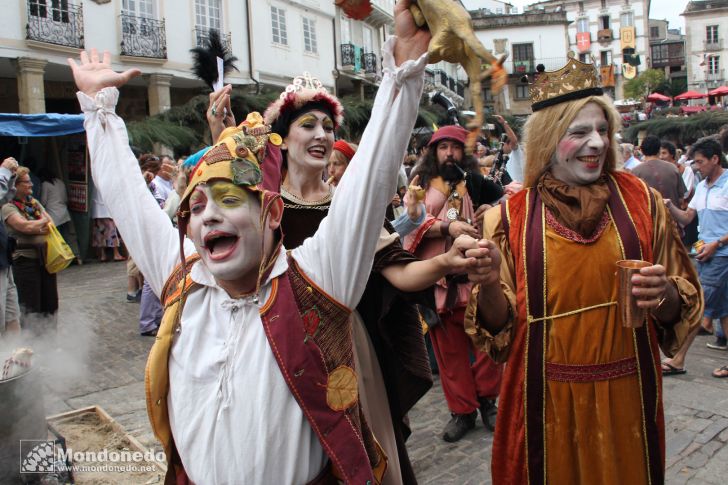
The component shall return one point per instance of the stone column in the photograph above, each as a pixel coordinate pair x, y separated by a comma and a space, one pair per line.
159, 95
358, 88
31, 93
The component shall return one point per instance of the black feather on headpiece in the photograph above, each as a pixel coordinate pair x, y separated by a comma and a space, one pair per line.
204, 59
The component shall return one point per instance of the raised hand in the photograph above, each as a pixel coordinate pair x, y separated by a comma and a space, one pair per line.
93, 74
415, 192
414, 197
412, 41
219, 112
10, 163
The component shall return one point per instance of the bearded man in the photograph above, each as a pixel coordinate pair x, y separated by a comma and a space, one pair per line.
581, 396
454, 193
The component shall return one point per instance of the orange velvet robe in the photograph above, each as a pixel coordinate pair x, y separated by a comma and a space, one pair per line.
571, 421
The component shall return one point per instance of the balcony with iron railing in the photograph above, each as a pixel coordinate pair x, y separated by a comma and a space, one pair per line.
441, 76
348, 55
713, 46
386, 5
429, 77
382, 13
668, 61
203, 33
59, 25
143, 37
370, 63
438, 80
523, 66
716, 75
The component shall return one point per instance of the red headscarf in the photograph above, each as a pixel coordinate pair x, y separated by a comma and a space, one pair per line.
345, 149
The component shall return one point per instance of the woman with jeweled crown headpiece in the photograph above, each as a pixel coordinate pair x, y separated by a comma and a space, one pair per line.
389, 346
581, 400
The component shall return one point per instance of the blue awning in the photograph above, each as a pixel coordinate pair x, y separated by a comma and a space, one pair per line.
48, 124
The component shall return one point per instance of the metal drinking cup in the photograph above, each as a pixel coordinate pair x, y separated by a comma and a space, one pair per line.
631, 315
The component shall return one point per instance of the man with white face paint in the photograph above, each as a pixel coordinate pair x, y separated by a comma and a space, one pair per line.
251, 377
581, 394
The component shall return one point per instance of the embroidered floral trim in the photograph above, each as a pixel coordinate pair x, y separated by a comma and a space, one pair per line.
311, 320
590, 373
574, 236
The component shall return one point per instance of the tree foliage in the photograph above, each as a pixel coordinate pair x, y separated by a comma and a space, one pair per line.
644, 84
184, 128
682, 130
673, 87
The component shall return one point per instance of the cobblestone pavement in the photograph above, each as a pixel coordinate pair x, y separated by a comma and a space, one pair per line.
100, 360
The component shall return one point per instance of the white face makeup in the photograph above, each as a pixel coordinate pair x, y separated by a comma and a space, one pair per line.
310, 140
225, 228
580, 154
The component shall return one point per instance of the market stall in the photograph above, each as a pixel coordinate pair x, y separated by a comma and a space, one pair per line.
56, 141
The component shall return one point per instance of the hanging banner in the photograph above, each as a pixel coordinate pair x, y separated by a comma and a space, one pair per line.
583, 41
357, 59
629, 71
77, 196
627, 38
607, 74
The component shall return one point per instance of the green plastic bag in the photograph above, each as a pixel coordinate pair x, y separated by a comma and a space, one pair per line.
58, 253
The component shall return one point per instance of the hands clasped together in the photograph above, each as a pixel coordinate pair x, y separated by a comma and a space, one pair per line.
479, 258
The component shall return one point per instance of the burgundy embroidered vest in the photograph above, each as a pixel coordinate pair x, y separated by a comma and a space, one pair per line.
310, 336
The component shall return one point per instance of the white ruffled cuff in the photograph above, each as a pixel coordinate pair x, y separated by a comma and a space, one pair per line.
102, 103
408, 68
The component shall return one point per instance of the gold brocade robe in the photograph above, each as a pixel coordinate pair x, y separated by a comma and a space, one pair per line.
591, 405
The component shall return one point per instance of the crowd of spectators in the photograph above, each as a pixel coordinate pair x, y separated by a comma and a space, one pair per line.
694, 184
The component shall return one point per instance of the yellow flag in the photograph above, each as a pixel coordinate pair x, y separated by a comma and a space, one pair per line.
627, 38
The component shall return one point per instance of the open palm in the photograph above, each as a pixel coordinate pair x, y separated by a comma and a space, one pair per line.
94, 75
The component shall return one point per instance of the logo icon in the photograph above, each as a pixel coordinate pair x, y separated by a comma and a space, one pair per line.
37, 456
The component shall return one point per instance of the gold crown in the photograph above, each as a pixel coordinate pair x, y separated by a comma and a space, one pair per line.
575, 80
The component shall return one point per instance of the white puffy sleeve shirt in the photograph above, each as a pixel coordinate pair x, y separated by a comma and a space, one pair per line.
232, 415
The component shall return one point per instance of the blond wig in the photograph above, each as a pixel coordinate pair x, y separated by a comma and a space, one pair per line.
545, 128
